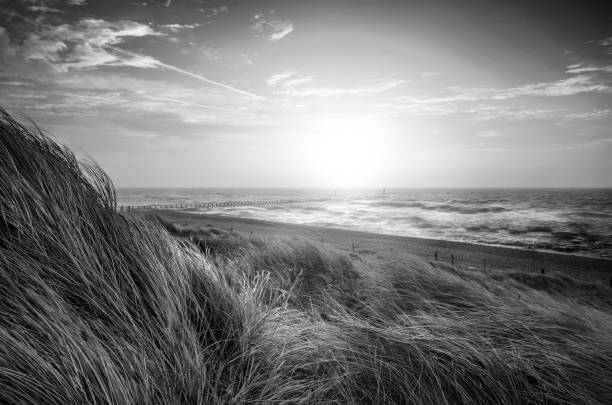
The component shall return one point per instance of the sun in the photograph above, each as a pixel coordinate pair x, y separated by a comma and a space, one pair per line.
345, 150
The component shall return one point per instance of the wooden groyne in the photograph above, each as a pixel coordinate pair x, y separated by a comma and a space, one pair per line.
217, 204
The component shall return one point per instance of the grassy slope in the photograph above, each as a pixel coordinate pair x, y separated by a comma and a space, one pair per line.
103, 308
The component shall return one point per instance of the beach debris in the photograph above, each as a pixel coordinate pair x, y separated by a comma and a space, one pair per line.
542, 270
452, 259
436, 255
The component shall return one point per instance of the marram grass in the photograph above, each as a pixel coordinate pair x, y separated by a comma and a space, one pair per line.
105, 308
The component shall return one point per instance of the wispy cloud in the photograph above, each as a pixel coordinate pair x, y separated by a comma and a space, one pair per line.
280, 29
453, 101
564, 87
272, 30
279, 77
294, 89
298, 81
607, 44
578, 68
589, 115
214, 11
83, 45
16, 83
484, 112
179, 27
43, 9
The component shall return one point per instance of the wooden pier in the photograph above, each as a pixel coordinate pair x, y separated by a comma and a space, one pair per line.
217, 204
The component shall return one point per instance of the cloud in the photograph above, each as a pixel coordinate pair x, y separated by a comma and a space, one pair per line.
607, 44
590, 115
565, 87
430, 74
272, 30
399, 105
582, 68
279, 77
16, 83
519, 113
296, 82
483, 103
280, 29
84, 44
76, 2
179, 27
214, 11
297, 91
43, 9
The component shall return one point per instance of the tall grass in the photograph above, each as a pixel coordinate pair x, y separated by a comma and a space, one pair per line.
100, 307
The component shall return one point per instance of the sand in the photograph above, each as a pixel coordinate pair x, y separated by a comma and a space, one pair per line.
465, 255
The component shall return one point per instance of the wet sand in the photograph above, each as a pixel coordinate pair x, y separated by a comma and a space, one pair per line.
465, 255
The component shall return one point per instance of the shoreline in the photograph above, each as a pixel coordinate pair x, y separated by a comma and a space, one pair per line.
467, 255
508, 246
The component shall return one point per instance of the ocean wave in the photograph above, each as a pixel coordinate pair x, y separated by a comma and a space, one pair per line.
397, 204
313, 208
529, 229
440, 207
509, 229
419, 222
591, 214
571, 232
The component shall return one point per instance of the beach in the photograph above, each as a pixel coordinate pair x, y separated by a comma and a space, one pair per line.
465, 255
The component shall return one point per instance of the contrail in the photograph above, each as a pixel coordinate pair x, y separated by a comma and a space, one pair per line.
187, 73
187, 103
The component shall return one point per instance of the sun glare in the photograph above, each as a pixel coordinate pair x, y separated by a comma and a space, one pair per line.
345, 151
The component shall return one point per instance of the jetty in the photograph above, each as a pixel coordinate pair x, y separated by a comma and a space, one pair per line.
217, 204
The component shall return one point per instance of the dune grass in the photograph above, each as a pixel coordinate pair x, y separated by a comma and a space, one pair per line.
102, 307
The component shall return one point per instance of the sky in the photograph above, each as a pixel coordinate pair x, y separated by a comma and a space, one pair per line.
331, 93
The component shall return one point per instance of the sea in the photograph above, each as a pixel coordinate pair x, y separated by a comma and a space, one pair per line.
576, 221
